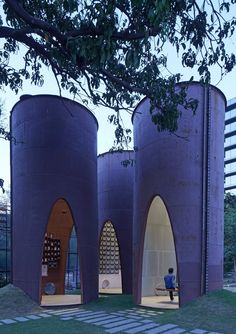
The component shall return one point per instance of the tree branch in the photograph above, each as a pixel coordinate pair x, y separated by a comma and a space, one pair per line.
35, 22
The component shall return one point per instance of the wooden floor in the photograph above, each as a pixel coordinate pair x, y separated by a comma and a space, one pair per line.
70, 300
61, 300
111, 291
160, 302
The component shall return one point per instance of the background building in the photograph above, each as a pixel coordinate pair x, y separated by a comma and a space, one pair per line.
230, 146
5, 246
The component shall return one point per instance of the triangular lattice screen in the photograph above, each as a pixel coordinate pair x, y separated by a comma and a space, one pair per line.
109, 251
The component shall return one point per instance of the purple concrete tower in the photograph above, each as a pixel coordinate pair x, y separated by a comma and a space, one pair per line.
54, 187
178, 198
115, 205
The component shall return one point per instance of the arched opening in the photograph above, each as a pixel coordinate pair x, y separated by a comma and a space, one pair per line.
158, 256
55, 257
109, 261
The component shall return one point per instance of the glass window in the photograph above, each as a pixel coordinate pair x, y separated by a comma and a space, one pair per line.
230, 141
230, 154
232, 113
228, 115
227, 181
72, 277
229, 168
230, 127
230, 181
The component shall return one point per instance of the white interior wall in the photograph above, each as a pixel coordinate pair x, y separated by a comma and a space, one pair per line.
110, 281
159, 249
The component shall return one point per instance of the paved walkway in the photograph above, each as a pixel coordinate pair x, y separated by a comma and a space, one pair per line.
130, 321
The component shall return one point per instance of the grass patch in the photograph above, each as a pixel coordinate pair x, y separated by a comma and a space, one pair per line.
14, 302
214, 312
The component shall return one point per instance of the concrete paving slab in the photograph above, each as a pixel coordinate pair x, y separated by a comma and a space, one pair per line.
109, 319
44, 315
118, 323
176, 331
160, 329
123, 327
101, 318
135, 317
91, 316
75, 313
198, 331
8, 321
21, 319
32, 317
141, 328
62, 311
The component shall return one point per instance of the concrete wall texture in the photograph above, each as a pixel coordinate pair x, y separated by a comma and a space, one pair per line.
55, 157
186, 170
115, 204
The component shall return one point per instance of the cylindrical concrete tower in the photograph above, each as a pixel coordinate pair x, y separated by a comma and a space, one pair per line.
185, 171
54, 186
115, 205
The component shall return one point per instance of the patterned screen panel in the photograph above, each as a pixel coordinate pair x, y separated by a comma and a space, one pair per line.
109, 251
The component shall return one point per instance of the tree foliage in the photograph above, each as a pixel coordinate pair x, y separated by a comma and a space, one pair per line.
230, 232
113, 52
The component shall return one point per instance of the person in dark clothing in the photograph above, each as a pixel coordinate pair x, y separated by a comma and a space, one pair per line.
170, 282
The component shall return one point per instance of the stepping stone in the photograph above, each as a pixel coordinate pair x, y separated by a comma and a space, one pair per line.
98, 319
151, 312
67, 318
76, 312
214, 333
59, 312
32, 317
141, 328
8, 321
198, 331
93, 315
21, 319
146, 321
107, 320
121, 312
44, 315
176, 331
118, 323
123, 327
135, 317
160, 329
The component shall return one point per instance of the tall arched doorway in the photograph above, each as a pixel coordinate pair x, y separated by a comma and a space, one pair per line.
158, 256
109, 261
55, 256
